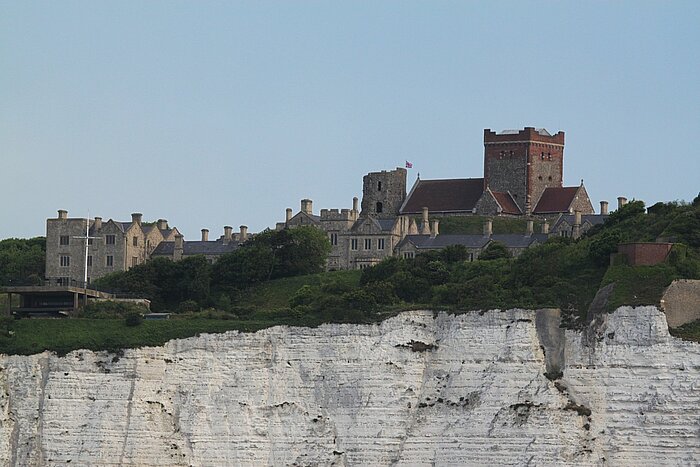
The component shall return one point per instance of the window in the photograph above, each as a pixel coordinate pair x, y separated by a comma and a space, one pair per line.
110, 261
550, 178
134, 260
380, 244
368, 243
89, 261
64, 240
380, 207
379, 186
136, 241
334, 239
90, 241
353, 244
542, 156
65, 261
63, 281
109, 239
408, 254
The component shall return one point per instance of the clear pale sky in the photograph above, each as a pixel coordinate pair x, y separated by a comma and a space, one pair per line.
226, 113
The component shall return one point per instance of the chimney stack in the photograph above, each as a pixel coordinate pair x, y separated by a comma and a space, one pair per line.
530, 228
545, 227
243, 236
205, 235
98, 223
434, 232
425, 227
179, 247
136, 218
288, 216
228, 234
576, 232
307, 206
354, 203
162, 224
488, 227
621, 201
604, 208
62, 214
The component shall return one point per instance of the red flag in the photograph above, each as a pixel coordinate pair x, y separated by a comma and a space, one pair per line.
409, 165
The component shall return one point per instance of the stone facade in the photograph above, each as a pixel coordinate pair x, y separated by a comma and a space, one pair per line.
383, 193
115, 246
523, 162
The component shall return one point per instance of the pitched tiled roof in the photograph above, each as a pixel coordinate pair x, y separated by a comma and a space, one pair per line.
505, 200
451, 195
556, 199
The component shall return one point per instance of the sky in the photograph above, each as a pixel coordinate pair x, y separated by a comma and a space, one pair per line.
214, 113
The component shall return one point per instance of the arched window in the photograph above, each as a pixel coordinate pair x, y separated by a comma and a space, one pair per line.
379, 207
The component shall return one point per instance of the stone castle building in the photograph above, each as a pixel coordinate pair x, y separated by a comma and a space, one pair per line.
118, 246
523, 177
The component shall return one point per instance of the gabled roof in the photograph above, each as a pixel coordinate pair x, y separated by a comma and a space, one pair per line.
450, 195
593, 219
507, 203
301, 214
556, 199
383, 225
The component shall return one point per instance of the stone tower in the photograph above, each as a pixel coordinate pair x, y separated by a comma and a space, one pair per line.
523, 162
383, 193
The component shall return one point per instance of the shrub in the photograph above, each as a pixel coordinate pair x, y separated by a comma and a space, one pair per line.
133, 318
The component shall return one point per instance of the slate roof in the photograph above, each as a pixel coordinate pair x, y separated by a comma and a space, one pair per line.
195, 248
450, 195
386, 224
593, 219
507, 203
556, 199
442, 241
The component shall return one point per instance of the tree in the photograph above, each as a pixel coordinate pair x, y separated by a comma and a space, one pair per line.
22, 261
495, 250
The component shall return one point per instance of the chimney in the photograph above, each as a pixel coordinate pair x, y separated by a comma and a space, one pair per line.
354, 203
62, 214
621, 201
243, 236
228, 234
434, 232
162, 224
205, 235
545, 227
288, 216
488, 227
576, 232
307, 206
179, 247
98, 223
136, 218
530, 228
604, 208
412, 227
425, 226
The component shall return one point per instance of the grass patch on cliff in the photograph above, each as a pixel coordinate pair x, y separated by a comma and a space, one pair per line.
638, 285
690, 331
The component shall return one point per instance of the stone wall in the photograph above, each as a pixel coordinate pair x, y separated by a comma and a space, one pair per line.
74, 250
681, 302
385, 187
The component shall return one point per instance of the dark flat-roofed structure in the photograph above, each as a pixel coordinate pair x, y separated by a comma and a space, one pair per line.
49, 300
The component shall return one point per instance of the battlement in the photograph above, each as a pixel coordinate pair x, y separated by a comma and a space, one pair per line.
527, 134
337, 215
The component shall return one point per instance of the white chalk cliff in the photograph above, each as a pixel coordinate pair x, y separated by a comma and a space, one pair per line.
419, 389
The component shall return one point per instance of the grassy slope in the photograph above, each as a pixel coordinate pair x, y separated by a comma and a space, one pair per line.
475, 225
64, 335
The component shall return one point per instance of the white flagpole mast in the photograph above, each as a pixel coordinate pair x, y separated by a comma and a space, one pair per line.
87, 239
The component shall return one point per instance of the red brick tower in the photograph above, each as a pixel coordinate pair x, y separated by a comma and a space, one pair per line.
523, 162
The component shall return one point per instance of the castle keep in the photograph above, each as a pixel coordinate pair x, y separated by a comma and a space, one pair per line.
523, 177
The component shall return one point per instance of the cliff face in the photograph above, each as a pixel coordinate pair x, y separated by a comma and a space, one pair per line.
416, 389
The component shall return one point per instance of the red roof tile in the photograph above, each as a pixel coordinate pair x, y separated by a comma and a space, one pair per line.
451, 195
556, 199
507, 203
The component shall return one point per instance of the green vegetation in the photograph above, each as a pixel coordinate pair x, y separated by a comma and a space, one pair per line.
475, 225
22, 261
276, 279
